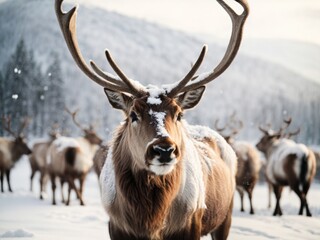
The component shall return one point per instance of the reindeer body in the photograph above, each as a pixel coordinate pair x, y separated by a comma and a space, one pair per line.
179, 205
248, 170
288, 164
70, 159
38, 162
10, 152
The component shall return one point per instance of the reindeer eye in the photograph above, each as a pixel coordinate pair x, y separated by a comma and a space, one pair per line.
133, 116
180, 115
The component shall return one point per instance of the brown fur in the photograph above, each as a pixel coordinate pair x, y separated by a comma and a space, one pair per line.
299, 184
62, 165
38, 163
155, 198
247, 173
10, 152
100, 158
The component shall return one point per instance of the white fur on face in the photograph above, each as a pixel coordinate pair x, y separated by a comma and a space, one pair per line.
160, 168
159, 117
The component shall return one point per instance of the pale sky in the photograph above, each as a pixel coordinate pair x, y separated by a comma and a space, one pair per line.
280, 19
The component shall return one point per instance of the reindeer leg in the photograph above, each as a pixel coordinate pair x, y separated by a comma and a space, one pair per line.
249, 191
302, 197
62, 181
42, 176
31, 179
73, 186
8, 179
69, 193
269, 195
53, 187
1, 179
277, 191
306, 187
241, 193
81, 180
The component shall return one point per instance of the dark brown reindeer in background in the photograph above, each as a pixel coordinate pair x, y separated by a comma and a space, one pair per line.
283, 134
72, 158
11, 150
163, 179
288, 164
249, 162
38, 159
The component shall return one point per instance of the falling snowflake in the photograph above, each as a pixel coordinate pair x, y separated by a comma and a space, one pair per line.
15, 96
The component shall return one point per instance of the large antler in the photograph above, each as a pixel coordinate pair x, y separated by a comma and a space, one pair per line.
6, 122
67, 23
233, 125
291, 134
232, 49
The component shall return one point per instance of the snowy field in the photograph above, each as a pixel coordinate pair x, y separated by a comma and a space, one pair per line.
23, 215
287, 42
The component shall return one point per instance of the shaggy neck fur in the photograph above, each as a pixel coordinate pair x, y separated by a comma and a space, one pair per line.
140, 192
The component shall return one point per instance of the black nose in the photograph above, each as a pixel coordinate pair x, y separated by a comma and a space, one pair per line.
164, 152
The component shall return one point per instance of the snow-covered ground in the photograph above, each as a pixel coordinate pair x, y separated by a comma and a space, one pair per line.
282, 40
22, 214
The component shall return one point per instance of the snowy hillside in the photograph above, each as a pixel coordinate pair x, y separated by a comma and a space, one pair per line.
260, 91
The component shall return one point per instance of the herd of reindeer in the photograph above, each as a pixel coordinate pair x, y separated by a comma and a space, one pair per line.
159, 177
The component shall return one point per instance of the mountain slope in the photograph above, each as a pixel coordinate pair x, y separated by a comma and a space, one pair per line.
260, 91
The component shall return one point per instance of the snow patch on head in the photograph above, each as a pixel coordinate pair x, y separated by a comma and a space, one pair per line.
159, 118
154, 94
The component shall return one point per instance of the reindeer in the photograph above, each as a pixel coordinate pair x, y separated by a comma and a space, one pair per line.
38, 159
72, 158
283, 134
11, 150
163, 178
249, 162
288, 164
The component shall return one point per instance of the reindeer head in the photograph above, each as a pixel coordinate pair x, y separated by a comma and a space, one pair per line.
89, 132
267, 140
230, 129
270, 135
153, 114
20, 144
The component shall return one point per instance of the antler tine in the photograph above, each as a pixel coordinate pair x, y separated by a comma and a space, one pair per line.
6, 121
294, 133
138, 90
232, 49
216, 122
291, 134
73, 115
287, 123
190, 74
67, 22
266, 132
24, 124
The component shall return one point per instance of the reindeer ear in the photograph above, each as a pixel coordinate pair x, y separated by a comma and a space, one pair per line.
190, 99
118, 100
